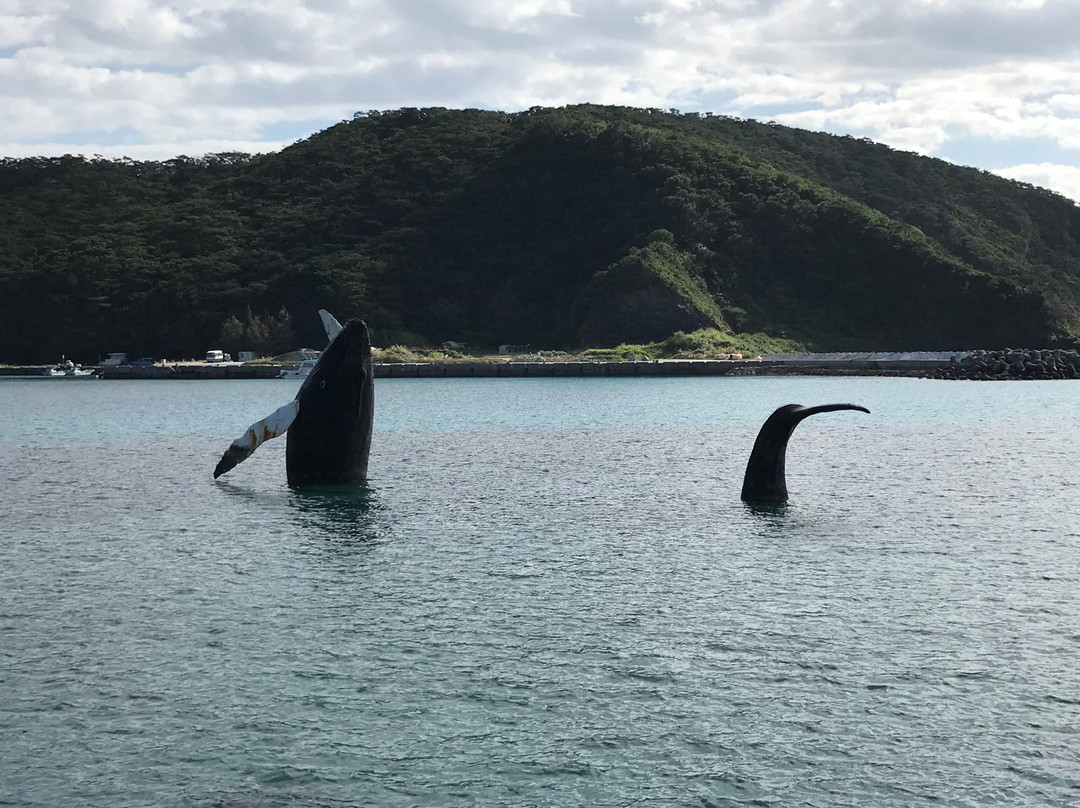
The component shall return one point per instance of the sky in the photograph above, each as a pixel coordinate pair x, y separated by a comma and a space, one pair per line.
993, 84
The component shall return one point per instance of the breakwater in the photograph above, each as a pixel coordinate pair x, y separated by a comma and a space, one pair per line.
419, 370
904, 362
975, 365
921, 363
194, 371
1013, 364
669, 367
175, 371
834, 364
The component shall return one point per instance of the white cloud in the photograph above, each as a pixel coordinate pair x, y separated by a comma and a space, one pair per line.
913, 73
1063, 179
153, 151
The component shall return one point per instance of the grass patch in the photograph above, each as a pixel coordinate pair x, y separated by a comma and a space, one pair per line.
705, 343
397, 354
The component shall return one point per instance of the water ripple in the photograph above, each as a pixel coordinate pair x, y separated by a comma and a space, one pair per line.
553, 598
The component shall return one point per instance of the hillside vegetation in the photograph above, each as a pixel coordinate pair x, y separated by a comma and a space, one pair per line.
562, 228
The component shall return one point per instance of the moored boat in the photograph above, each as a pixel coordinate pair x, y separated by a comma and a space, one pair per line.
300, 372
66, 368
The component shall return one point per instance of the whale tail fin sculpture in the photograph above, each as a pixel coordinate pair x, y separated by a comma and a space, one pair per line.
765, 480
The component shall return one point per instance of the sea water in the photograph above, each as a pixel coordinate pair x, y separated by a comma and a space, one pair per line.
550, 594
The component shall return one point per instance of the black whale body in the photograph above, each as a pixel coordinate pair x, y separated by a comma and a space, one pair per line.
765, 481
329, 442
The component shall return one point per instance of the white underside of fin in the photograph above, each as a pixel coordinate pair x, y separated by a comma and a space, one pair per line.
331, 325
272, 426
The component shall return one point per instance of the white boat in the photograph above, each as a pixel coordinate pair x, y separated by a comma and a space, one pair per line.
301, 372
307, 356
65, 367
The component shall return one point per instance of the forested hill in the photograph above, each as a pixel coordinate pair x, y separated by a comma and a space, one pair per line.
555, 227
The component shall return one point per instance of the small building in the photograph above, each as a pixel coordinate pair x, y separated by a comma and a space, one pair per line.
115, 359
245, 356
513, 349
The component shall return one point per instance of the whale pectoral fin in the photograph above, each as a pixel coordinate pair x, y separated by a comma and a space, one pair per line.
330, 324
235, 454
272, 426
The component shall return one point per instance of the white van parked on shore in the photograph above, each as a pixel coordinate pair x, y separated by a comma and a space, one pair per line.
215, 356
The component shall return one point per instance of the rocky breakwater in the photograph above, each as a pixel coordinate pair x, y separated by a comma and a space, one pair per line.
1013, 364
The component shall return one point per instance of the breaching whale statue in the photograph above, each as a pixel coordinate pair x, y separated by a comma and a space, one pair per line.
329, 442
765, 481
329, 422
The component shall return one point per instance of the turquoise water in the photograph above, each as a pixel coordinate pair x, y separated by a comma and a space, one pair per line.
549, 595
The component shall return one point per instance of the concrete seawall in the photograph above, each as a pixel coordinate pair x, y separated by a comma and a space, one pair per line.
909, 364
906, 361
415, 370
213, 371
235, 371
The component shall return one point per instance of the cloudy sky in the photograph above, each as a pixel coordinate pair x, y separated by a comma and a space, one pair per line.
987, 83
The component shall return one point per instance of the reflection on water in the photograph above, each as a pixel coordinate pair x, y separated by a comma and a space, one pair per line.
342, 518
767, 510
339, 517
240, 489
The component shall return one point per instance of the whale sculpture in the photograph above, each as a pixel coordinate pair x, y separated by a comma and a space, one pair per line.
328, 425
329, 442
764, 481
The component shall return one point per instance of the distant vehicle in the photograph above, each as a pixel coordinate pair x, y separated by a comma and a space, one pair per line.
115, 359
145, 362
215, 356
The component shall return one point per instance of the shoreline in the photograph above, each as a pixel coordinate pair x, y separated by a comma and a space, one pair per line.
513, 369
1002, 365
